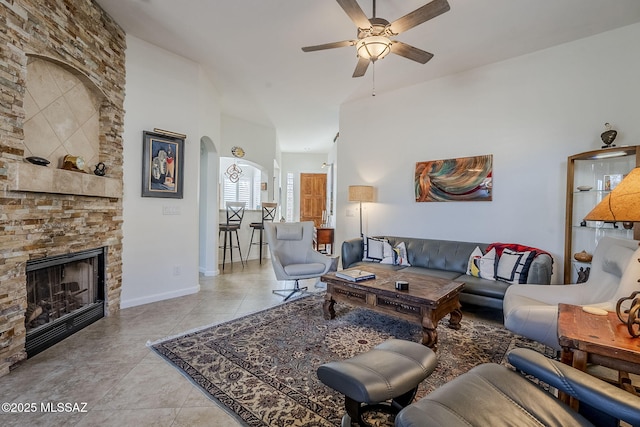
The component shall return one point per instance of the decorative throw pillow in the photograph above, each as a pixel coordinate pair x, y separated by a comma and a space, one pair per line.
487, 265
401, 254
513, 267
473, 268
373, 249
388, 254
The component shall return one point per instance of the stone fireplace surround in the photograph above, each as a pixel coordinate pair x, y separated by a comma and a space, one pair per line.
46, 211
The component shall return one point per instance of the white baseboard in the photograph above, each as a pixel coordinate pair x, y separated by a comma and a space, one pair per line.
209, 273
159, 297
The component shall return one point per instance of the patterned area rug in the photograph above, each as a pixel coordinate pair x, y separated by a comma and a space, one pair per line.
262, 367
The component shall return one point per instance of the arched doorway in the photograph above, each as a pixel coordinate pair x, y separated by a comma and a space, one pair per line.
208, 205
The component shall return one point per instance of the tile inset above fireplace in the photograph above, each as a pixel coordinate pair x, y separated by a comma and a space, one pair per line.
62, 113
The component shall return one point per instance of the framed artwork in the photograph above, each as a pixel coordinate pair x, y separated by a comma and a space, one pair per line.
461, 179
162, 165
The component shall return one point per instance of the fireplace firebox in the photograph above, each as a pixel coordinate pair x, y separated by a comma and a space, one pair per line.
65, 293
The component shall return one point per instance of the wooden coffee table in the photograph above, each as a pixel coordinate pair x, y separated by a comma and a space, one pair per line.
428, 299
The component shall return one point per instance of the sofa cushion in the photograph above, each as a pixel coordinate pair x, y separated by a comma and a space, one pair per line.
304, 269
473, 268
483, 287
374, 249
513, 267
292, 231
396, 255
437, 254
364, 264
442, 274
389, 255
487, 265
482, 265
402, 258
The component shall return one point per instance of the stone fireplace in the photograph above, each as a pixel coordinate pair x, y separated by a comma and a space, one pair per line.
62, 93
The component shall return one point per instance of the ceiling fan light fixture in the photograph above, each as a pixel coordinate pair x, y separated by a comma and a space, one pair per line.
373, 47
373, 38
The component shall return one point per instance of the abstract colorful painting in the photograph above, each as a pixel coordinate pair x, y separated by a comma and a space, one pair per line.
461, 179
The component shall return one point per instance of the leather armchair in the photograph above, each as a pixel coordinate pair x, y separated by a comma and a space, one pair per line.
532, 311
494, 395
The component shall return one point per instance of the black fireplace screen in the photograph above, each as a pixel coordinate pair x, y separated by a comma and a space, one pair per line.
61, 288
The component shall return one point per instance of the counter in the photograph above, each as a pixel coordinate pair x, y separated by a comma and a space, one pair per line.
244, 235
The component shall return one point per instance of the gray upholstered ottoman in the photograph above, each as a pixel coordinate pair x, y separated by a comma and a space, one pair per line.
383, 378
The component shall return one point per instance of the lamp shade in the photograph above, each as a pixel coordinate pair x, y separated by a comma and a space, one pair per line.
622, 204
373, 47
360, 193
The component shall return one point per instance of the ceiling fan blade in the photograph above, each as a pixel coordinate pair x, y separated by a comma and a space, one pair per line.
353, 9
329, 45
410, 52
361, 67
420, 15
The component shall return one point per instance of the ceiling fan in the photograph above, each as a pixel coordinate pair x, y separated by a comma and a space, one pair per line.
374, 35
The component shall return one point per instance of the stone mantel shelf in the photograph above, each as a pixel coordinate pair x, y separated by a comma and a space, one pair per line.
45, 179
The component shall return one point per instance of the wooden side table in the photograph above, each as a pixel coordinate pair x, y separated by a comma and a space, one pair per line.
601, 340
323, 237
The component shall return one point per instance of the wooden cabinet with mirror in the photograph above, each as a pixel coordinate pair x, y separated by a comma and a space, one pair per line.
590, 177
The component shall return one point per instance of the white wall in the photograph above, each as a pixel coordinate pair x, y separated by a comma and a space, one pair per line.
530, 112
258, 141
210, 146
208, 207
160, 252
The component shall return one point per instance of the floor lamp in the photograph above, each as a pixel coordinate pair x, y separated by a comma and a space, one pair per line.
360, 193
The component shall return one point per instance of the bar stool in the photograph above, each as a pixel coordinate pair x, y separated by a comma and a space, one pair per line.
235, 213
268, 214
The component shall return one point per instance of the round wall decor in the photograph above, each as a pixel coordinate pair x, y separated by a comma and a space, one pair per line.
237, 151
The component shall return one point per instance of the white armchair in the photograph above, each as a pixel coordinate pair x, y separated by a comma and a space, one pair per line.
532, 310
292, 254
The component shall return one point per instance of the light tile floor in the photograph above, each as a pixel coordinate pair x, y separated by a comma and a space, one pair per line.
108, 366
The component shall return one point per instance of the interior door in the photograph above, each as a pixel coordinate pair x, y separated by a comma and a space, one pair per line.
313, 197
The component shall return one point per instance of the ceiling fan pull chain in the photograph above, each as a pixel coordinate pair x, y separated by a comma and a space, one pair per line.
374, 34
373, 71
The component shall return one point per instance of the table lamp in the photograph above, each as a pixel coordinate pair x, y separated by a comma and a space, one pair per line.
623, 204
360, 193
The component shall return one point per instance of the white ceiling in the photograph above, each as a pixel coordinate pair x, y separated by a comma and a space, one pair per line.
251, 48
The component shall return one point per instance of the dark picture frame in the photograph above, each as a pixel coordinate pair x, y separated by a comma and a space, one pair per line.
162, 165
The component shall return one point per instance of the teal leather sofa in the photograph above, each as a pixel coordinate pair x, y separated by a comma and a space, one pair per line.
449, 260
